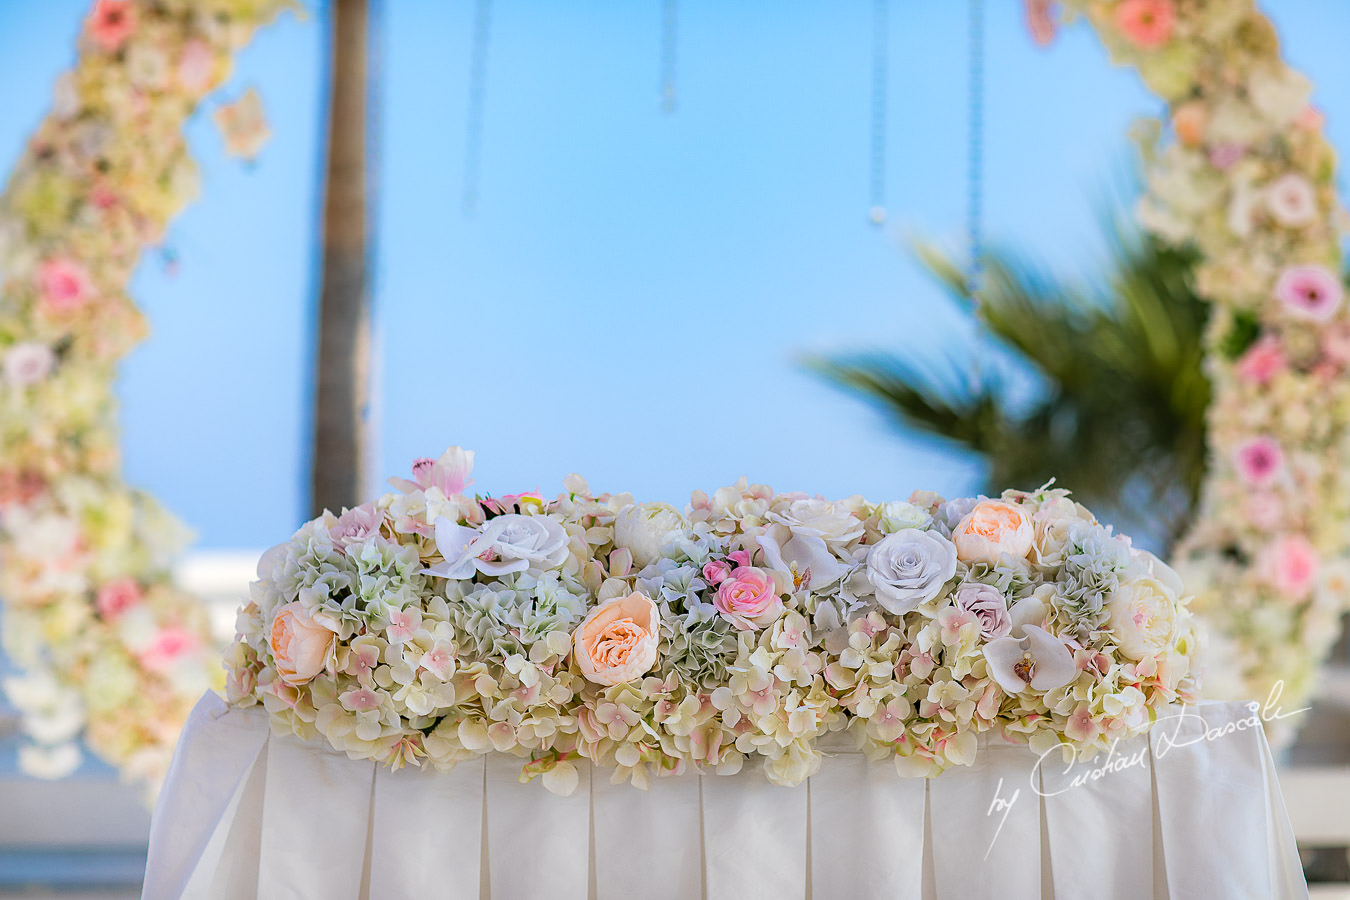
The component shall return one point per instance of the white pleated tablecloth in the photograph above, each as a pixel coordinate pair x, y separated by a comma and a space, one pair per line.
1191, 811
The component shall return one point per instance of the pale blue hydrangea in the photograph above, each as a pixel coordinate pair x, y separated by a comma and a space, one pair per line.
1094, 559
511, 614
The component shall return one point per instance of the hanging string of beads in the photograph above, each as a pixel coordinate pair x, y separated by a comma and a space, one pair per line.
975, 149
669, 23
473, 131
876, 212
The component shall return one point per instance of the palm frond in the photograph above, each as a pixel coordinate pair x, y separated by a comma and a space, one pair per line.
1118, 414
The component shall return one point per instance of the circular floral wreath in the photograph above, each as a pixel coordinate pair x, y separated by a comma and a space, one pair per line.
111, 648
107, 645
1243, 171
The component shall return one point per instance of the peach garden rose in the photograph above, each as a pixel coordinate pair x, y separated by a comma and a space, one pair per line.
301, 647
992, 529
617, 641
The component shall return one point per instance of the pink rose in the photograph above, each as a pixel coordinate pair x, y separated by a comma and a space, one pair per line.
715, 571
989, 607
1290, 566
118, 596
1291, 200
1259, 461
301, 647
65, 285
1225, 156
1310, 292
992, 529
357, 525
168, 646
28, 363
618, 640
195, 65
1262, 361
1147, 24
111, 23
748, 598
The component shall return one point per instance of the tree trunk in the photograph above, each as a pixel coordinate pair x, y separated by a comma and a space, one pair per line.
343, 356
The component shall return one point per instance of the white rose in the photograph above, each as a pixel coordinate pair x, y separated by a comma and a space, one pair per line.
645, 528
1142, 609
831, 522
909, 568
508, 543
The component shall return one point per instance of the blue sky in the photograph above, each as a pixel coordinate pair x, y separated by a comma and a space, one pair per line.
634, 294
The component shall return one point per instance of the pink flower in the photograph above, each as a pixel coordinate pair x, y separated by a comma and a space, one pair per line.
28, 363
1040, 15
748, 598
739, 557
403, 624
359, 700
1264, 510
989, 607
1262, 361
1291, 200
357, 525
1336, 344
1259, 461
1147, 24
118, 596
169, 645
301, 647
111, 23
1310, 292
1290, 565
450, 473
715, 571
1225, 156
195, 65
1311, 119
65, 285
1080, 726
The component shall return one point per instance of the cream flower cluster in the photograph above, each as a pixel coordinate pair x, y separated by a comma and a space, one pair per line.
107, 646
431, 626
1243, 172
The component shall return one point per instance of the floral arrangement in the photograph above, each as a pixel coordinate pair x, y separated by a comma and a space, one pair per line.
1243, 171
431, 626
109, 648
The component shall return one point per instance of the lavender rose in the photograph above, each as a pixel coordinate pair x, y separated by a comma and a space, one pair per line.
909, 568
989, 607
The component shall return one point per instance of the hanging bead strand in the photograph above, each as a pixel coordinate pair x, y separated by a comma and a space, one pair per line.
473, 130
669, 32
876, 213
975, 151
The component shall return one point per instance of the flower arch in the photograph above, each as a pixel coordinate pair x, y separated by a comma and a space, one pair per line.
1243, 171
109, 647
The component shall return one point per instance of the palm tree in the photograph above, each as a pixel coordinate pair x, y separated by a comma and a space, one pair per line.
343, 355
1118, 413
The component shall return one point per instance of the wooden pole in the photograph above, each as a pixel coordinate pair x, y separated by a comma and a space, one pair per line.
343, 355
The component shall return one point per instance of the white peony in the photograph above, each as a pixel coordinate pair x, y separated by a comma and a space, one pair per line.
644, 529
1142, 608
508, 543
810, 517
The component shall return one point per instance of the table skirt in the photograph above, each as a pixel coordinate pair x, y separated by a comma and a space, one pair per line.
1196, 814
